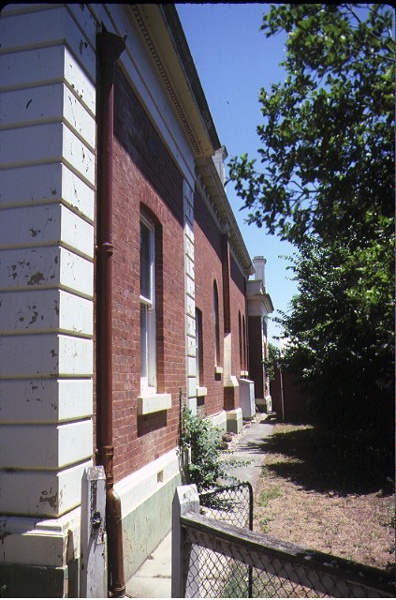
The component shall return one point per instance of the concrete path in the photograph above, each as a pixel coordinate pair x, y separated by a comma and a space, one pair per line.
153, 579
248, 448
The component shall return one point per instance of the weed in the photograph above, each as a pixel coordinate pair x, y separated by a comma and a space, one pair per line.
264, 524
269, 494
236, 586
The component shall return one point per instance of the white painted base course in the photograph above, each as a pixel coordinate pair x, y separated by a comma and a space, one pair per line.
40, 542
138, 487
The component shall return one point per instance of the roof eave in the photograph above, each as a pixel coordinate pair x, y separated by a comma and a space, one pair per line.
161, 29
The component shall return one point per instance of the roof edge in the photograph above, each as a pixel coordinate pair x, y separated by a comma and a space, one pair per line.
171, 16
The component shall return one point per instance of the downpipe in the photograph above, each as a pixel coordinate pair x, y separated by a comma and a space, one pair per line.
110, 47
115, 552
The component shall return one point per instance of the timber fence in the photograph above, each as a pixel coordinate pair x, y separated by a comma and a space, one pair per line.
218, 559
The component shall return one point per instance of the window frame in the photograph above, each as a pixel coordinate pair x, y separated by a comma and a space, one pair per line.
241, 352
216, 325
148, 362
199, 347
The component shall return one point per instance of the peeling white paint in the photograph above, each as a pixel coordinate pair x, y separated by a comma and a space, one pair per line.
45, 447
50, 25
31, 105
47, 203
38, 184
21, 492
47, 355
42, 311
45, 400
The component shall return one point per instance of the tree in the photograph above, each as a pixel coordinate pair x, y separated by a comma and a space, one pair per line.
274, 356
342, 346
325, 182
340, 340
327, 150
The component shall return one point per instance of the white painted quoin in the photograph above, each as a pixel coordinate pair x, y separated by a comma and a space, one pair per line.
47, 183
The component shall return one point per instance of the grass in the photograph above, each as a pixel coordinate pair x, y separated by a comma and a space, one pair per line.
269, 494
320, 493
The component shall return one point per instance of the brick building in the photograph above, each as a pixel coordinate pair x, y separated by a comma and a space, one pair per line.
123, 280
259, 307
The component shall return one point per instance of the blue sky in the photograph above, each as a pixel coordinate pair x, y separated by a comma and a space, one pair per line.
234, 61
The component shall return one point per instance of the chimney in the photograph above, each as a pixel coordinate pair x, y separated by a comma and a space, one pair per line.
259, 268
218, 159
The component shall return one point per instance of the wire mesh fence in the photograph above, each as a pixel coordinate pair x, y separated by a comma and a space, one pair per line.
225, 561
231, 504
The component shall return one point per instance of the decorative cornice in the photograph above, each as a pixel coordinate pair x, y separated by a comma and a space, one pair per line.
152, 47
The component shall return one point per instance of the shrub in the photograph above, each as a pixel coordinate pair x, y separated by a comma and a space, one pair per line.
207, 465
204, 441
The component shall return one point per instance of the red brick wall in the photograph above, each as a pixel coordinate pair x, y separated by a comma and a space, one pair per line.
208, 269
145, 176
237, 304
256, 355
225, 259
211, 250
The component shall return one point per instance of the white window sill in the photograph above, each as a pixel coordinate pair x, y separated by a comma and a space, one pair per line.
152, 403
218, 370
244, 374
201, 391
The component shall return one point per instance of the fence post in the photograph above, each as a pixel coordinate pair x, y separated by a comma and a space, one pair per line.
186, 500
93, 570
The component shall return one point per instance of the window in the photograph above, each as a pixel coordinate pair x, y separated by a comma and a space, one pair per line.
244, 344
147, 306
199, 346
216, 324
240, 341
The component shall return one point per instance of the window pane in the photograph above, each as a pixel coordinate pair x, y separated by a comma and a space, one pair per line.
147, 306
199, 346
216, 323
143, 341
145, 261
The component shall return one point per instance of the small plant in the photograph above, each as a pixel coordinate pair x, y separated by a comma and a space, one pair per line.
207, 465
205, 443
237, 583
264, 524
267, 495
269, 362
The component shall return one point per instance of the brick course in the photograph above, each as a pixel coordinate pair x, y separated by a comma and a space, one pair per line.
211, 249
237, 305
208, 269
145, 178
